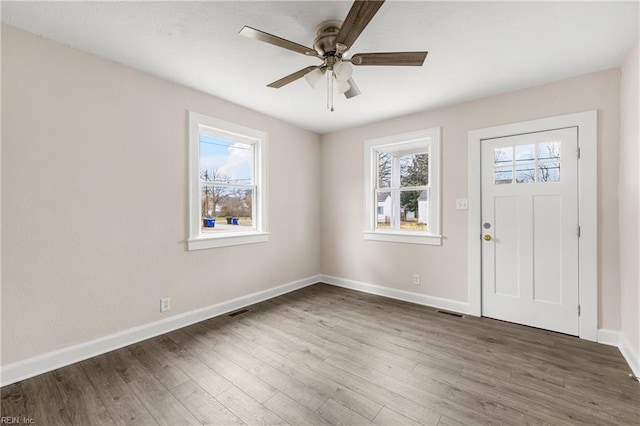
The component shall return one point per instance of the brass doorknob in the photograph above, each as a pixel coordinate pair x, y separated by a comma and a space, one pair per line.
487, 237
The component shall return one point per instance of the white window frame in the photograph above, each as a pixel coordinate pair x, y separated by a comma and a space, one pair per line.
429, 138
203, 124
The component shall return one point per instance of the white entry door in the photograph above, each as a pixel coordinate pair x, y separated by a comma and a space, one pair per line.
530, 229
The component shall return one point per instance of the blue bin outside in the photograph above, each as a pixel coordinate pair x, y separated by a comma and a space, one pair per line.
235, 221
209, 223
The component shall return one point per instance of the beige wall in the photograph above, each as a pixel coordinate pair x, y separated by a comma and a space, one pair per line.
628, 190
94, 200
345, 254
94, 208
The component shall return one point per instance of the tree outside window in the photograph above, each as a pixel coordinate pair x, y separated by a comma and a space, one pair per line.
402, 191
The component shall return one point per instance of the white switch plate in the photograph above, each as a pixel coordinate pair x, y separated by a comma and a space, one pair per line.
462, 204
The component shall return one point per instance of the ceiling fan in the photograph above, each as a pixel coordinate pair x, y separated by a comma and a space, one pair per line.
334, 39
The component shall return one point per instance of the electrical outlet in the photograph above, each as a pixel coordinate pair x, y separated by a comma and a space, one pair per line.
416, 279
462, 204
165, 304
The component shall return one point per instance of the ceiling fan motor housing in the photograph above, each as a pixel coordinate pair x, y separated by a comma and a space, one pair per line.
325, 42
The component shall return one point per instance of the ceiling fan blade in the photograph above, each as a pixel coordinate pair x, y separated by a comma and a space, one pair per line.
357, 19
291, 77
277, 41
415, 59
353, 89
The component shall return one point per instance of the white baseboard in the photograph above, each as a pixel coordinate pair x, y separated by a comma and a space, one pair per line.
616, 338
407, 296
630, 355
608, 337
30, 367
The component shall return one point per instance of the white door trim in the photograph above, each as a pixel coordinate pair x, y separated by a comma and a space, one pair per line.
586, 122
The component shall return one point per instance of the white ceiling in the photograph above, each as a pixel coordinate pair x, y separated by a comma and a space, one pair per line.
476, 49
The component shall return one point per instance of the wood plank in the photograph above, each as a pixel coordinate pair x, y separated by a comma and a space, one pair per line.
126, 365
247, 409
337, 414
288, 385
161, 404
253, 386
158, 365
424, 413
14, 401
165, 408
123, 406
238, 326
323, 385
387, 416
204, 407
450, 400
294, 339
44, 403
190, 365
278, 380
448, 421
293, 412
80, 397
318, 336
535, 410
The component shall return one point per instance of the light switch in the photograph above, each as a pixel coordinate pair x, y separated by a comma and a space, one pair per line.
462, 204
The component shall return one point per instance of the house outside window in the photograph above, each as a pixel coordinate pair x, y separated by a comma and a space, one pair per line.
227, 182
402, 187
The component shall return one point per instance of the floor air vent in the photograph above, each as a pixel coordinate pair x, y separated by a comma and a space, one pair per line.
240, 312
453, 314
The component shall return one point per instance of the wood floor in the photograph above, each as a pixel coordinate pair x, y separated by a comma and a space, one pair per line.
325, 355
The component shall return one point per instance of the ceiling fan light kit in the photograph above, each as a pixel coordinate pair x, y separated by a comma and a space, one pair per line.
313, 77
342, 70
342, 86
333, 39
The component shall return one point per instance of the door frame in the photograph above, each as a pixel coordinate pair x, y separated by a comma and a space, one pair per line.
586, 123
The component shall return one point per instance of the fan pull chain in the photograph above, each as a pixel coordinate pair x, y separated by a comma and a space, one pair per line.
330, 90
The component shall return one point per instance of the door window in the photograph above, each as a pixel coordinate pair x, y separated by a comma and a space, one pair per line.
531, 163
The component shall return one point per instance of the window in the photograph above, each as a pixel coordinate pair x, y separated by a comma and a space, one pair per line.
543, 158
402, 187
227, 191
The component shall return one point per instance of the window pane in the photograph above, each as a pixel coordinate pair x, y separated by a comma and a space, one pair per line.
502, 175
395, 211
383, 209
525, 153
226, 209
525, 173
548, 172
210, 201
384, 170
549, 151
414, 170
414, 210
225, 161
503, 156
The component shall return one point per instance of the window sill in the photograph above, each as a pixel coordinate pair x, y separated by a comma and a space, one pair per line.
404, 237
225, 240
